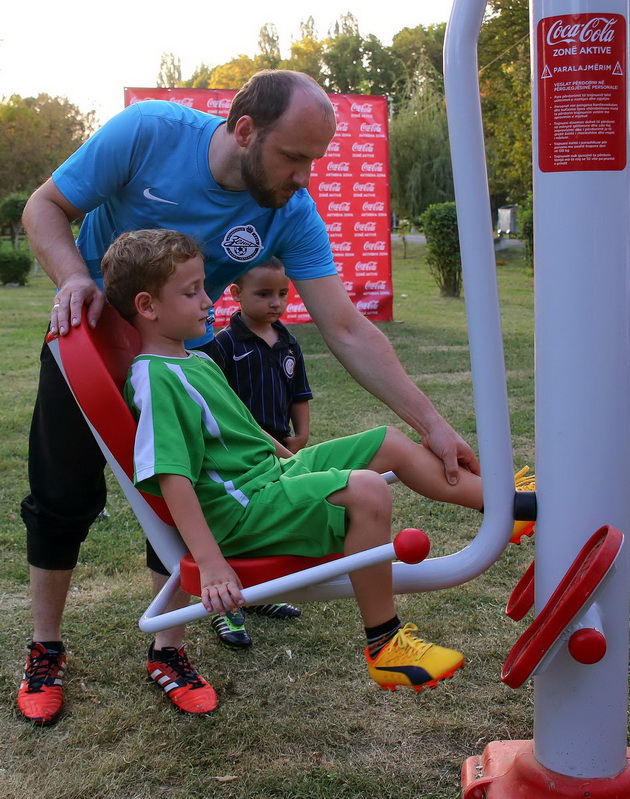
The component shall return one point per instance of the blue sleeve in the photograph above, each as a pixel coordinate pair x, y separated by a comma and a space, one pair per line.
104, 163
306, 251
301, 389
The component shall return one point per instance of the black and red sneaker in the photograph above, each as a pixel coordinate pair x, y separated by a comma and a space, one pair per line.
185, 687
40, 698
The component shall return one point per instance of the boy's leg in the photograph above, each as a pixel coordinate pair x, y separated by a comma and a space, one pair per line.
395, 656
419, 469
168, 665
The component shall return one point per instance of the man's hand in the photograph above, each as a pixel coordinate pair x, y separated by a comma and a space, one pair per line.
221, 588
77, 291
451, 449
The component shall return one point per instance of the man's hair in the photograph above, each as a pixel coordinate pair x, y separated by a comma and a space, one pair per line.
272, 263
143, 260
267, 94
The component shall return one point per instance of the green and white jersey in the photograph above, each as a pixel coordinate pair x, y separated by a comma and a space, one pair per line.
191, 423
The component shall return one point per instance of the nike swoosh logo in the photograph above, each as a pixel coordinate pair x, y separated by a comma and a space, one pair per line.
240, 357
150, 196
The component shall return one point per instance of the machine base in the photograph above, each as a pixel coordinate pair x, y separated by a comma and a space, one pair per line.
509, 770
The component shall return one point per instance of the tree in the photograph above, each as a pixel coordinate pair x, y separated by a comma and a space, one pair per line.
170, 74
343, 58
269, 46
420, 160
413, 48
306, 52
36, 135
233, 74
11, 208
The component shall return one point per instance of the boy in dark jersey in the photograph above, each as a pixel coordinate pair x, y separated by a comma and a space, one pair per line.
263, 364
233, 490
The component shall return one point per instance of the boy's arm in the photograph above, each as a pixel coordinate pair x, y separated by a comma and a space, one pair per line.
281, 450
220, 585
300, 419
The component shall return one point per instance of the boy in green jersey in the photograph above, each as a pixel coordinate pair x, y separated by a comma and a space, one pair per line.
233, 490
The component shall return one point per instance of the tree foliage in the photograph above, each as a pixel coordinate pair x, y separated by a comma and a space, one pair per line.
36, 135
170, 73
11, 208
439, 223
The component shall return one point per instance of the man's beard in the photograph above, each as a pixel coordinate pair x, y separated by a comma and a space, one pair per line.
255, 178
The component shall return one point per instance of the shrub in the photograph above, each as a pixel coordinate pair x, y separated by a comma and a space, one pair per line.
526, 224
439, 223
15, 266
11, 208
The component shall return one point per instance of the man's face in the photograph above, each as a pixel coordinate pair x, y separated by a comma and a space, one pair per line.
278, 161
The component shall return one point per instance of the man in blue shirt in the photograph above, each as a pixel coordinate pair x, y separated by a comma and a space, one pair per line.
238, 187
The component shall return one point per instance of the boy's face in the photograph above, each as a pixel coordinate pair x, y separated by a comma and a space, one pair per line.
263, 295
182, 307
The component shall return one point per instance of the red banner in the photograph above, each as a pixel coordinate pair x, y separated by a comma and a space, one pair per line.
350, 186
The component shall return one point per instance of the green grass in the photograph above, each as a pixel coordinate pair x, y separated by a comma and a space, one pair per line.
298, 716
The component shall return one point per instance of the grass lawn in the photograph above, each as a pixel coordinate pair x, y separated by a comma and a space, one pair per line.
298, 715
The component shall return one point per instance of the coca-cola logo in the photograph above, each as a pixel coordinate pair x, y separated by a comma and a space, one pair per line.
219, 103
225, 311
367, 305
340, 246
331, 187
375, 285
372, 166
364, 188
374, 246
363, 147
334, 227
361, 108
365, 227
371, 127
344, 206
296, 307
375, 207
187, 101
342, 127
348, 286
341, 166
597, 29
333, 147
366, 266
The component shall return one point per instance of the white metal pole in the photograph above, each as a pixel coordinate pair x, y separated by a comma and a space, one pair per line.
582, 258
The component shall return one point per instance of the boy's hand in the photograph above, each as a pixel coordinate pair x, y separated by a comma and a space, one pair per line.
221, 589
295, 443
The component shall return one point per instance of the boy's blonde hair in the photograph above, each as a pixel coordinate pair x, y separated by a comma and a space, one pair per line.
143, 260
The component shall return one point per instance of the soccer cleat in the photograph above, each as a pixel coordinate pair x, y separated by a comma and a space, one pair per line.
278, 610
523, 482
408, 660
40, 698
231, 630
183, 685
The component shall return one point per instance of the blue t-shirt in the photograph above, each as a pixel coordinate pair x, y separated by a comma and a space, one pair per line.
148, 168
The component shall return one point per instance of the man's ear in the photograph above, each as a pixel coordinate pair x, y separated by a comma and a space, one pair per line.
244, 131
144, 305
235, 291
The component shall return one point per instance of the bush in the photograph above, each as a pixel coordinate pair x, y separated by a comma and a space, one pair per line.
439, 223
15, 266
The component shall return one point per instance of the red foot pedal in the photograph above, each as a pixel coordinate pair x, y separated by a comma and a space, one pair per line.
574, 592
522, 599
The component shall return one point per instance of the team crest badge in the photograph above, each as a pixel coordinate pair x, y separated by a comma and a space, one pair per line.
242, 243
289, 366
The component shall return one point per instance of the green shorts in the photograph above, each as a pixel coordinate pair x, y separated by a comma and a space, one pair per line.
292, 516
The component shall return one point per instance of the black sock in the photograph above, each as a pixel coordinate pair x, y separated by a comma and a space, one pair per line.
380, 635
53, 647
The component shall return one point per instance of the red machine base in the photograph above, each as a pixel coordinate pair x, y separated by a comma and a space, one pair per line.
509, 770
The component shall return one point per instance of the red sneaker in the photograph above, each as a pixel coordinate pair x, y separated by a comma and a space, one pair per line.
183, 685
40, 698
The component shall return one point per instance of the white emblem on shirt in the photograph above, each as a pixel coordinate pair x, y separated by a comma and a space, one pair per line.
150, 196
244, 355
242, 243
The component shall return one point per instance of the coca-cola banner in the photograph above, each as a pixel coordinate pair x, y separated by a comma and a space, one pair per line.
351, 188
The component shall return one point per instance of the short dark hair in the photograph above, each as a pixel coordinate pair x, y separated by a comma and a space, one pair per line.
272, 263
267, 94
143, 260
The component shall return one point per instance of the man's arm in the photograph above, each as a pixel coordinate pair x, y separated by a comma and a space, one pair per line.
220, 585
46, 220
368, 356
